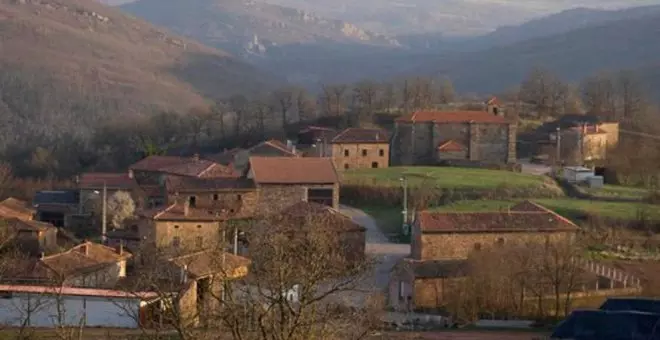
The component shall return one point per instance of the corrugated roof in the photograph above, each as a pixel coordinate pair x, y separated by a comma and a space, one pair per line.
293, 170
452, 117
59, 290
363, 136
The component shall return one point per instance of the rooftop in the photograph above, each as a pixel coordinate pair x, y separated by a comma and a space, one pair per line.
194, 184
362, 136
293, 170
325, 216
59, 290
524, 217
210, 262
95, 180
451, 146
177, 212
452, 117
83, 258
12, 207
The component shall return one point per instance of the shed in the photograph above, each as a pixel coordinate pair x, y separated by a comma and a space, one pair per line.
577, 174
76, 306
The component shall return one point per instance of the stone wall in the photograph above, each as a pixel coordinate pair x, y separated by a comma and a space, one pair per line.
273, 198
430, 293
437, 246
191, 235
218, 200
377, 156
416, 144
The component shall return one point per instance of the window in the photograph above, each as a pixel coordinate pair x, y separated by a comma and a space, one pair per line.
500, 242
199, 226
364, 152
477, 246
199, 241
215, 197
176, 241
193, 201
345, 153
381, 152
374, 165
346, 166
239, 197
176, 227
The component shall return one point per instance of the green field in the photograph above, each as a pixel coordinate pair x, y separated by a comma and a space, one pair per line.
617, 191
570, 208
445, 178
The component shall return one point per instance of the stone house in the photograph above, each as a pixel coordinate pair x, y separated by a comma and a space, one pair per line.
180, 227
235, 197
238, 158
430, 137
284, 181
150, 174
357, 148
15, 208
56, 206
441, 243
583, 138
29, 237
314, 141
304, 216
85, 265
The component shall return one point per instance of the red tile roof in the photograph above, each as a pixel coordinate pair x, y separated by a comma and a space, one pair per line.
362, 136
452, 117
94, 180
316, 128
12, 207
210, 262
278, 145
451, 146
510, 221
176, 212
293, 170
529, 206
193, 184
27, 225
155, 163
493, 101
59, 290
322, 215
83, 258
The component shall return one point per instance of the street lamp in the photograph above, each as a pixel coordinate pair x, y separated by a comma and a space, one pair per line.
558, 146
404, 184
104, 213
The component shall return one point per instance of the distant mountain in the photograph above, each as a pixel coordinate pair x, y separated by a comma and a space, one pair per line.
449, 17
251, 28
67, 64
562, 22
614, 45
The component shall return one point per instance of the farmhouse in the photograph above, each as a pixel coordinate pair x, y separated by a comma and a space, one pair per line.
15, 208
430, 137
284, 181
238, 158
442, 242
356, 148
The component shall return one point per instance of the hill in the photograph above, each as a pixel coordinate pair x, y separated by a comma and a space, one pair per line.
621, 44
66, 64
253, 29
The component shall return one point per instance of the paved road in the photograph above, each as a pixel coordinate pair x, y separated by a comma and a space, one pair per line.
386, 253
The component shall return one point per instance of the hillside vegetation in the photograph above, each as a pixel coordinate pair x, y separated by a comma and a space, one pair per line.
65, 65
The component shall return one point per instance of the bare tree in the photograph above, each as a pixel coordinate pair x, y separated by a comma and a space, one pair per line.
120, 207
6, 178
544, 91
446, 93
599, 94
284, 99
198, 121
239, 105
388, 99
366, 96
305, 106
333, 97
631, 92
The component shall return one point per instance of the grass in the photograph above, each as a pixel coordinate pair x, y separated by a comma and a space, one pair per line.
444, 177
569, 208
617, 191
389, 220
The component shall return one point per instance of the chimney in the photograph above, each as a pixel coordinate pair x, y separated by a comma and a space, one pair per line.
584, 129
130, 173
186, 207
42, 255
293, 149
195, 157
120, 249
289, 143
84, 248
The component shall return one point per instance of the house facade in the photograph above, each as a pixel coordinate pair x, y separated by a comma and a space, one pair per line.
442, 242
283, 181
356, 148
582, 139
238, 159
429, 137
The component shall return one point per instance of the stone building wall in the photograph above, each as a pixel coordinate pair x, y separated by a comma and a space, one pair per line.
191, 235
431, 293
377, 156
416, 144
437, 246
273, 198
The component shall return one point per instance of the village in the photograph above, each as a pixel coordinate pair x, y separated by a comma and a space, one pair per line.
437, 221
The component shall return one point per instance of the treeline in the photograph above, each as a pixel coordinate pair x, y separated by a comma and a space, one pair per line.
115, 142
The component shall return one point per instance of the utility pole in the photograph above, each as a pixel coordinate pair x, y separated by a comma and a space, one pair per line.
235, 239
558, 146
404, 211
104, 213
